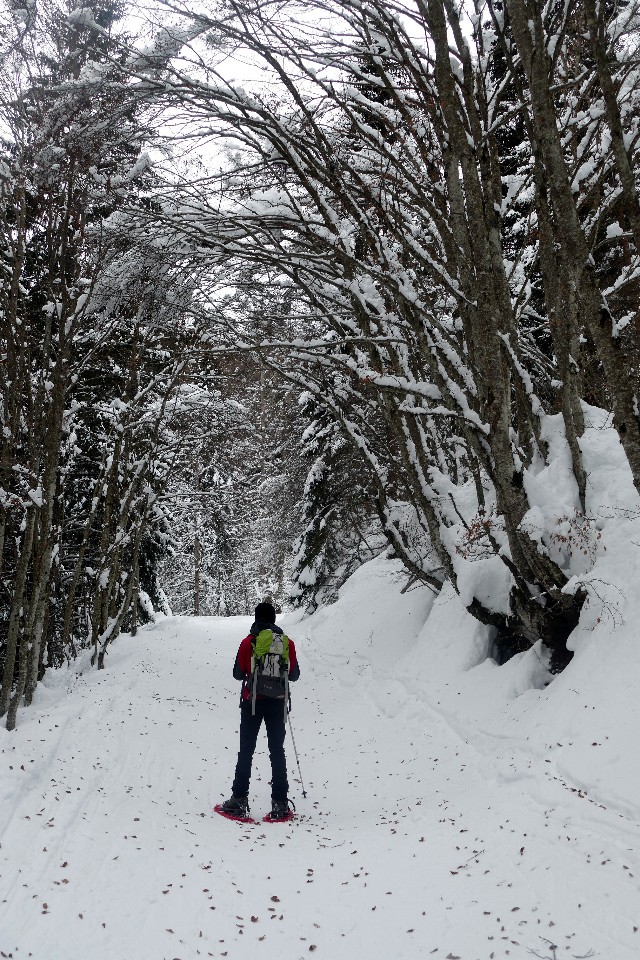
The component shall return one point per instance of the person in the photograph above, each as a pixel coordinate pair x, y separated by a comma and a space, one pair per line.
270, 709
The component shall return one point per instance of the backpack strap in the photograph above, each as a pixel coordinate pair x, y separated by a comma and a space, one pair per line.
254, 692
254, 685
287, 695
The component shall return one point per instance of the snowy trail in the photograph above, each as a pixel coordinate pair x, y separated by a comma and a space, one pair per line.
412, 842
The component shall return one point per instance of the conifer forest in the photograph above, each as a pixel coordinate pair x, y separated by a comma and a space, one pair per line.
285, 285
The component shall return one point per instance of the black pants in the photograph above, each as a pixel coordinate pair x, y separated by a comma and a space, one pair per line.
272, 712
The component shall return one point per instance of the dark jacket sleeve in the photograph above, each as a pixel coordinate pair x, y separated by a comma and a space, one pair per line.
294, 666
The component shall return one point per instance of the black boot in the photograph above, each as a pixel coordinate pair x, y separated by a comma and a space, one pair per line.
281, 809
236, 807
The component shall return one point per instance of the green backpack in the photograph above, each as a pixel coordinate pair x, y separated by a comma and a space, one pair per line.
269, 666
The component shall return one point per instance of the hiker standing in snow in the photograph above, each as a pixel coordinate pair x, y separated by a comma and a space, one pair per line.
266, 662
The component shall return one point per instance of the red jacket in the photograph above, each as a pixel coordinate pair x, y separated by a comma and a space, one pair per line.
242, 666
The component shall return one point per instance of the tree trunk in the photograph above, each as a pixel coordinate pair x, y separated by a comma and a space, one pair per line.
13, 628
196, 575
596, 23
112, 629
619, 355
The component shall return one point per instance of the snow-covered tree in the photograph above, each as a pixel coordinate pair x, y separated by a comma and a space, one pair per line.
373, 179
340, 526
92, 341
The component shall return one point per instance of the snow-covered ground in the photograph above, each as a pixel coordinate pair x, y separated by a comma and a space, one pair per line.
455, 809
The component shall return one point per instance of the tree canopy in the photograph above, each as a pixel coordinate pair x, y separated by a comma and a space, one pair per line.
286, 285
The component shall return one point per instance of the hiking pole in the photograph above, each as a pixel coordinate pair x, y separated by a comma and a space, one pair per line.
304, 792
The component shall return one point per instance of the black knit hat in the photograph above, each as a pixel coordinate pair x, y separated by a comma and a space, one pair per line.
266, 613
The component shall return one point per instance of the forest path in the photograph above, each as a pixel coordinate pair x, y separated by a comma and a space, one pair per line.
411, 842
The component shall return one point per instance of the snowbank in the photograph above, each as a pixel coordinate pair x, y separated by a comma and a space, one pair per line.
581, 727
